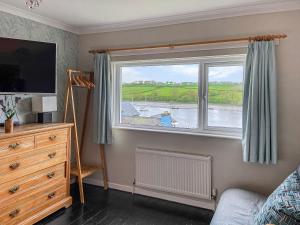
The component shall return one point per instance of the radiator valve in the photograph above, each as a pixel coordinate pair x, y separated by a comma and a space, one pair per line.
214, 194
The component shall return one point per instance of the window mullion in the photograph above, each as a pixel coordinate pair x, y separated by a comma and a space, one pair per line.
205, 95
117, 89
201, 97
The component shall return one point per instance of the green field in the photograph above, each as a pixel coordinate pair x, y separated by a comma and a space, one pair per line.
219, 93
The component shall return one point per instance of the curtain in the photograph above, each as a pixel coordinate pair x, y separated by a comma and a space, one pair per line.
260, 104
102, 125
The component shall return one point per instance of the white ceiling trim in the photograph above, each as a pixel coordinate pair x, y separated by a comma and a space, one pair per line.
37, 18
267, 7
284, 5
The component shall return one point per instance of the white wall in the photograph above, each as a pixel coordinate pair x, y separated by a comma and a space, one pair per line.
228, 168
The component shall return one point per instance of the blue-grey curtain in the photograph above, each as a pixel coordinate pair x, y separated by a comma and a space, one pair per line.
102, 125
260, 104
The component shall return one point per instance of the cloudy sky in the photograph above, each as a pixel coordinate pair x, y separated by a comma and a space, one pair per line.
180, 73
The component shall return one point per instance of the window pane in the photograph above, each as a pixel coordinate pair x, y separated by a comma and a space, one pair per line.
160, 95
225, 96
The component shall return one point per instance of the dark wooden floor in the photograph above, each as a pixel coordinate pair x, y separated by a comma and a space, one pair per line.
120, 208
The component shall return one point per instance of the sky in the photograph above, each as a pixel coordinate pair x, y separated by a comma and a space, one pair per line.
180, 73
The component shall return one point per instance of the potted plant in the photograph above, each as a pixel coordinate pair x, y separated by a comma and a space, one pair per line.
9, 113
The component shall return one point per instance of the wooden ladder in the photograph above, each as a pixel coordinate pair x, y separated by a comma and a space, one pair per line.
80, 79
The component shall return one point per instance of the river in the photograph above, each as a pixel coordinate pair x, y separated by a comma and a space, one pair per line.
186, 115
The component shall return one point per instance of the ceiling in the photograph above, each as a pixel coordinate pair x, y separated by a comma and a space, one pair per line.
91, 14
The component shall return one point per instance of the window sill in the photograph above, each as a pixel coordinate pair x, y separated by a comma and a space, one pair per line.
212, 134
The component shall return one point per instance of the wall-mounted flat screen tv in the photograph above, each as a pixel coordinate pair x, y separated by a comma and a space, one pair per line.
27, 67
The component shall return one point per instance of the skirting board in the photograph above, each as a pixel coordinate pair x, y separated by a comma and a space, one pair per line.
115, 186
160, 195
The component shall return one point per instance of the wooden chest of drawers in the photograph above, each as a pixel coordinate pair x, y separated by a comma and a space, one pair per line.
34, 172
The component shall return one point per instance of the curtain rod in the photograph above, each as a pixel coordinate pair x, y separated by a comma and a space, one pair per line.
171, 46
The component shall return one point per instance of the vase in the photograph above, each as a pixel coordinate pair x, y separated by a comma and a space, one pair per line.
9, 126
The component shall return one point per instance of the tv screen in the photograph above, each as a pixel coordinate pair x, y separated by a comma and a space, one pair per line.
27, 66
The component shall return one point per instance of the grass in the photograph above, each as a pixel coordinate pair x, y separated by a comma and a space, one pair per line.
219, 93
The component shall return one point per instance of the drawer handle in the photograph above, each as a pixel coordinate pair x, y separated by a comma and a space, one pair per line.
52, 137
14, 189
14, 166
14, 213
52, 155
14, 146
51, 175
51, 195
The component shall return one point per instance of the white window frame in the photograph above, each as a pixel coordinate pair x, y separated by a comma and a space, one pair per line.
205, 93
204, 62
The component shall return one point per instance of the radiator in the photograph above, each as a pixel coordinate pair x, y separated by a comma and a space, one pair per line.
177, 173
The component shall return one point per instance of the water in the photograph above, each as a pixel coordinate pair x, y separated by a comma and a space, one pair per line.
186, 115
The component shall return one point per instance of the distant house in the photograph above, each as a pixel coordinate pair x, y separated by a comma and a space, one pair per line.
131, 115
166, 120
128, 110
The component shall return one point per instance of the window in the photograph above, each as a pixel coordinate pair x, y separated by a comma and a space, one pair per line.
224, 95
187, 95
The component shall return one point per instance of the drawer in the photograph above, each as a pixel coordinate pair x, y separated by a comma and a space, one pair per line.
51, 138
17, 166
16, 145
30, 205
12, 190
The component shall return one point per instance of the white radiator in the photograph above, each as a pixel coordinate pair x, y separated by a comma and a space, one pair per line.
178, 173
